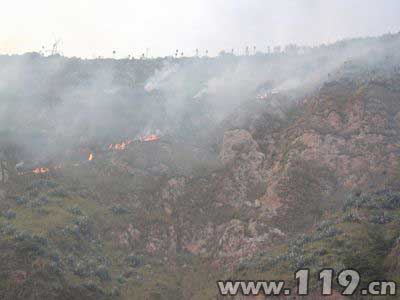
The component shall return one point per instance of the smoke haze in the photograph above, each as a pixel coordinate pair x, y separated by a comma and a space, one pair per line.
99, 27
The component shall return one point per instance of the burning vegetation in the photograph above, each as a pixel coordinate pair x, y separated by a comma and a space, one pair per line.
150, 138
255, 179
122, 146
41, 170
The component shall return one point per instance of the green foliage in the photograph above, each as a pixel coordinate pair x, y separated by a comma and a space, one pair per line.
30, 245
350, 217
83, 224
367, 256
7, 229
385, 199
59, 192
21, 200
75, 210
380, 218
42, 184
102, 273
119, 209
135, 260
121, 279
9, 214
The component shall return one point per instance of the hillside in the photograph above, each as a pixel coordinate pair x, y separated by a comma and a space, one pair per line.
153, 179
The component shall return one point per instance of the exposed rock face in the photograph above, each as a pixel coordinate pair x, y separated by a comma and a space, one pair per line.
346, 138
200, 242
349, 135
239, 240
237, 144
127, 236
240, 153
173, 189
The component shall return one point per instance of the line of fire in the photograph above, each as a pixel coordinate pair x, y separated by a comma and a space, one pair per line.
115, 147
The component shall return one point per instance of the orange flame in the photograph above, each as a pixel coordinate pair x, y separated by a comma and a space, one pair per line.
41, 170
118, 147
150, 138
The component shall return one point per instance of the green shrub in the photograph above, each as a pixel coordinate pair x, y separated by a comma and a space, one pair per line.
118, 209
380, 219
41, 184
59, 192
83, 224
121, 279
368, 255
350, 217
9, 214
135, 261
7, 229
326, 232
75, 210
302, 239
92, 286
102, 273
21, 200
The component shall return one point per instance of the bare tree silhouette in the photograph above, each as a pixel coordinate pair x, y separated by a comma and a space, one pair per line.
55, 46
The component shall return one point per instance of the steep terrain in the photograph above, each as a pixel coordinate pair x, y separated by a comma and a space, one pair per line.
292, 175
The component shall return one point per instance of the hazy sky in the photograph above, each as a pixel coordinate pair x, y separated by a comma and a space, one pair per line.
97, 27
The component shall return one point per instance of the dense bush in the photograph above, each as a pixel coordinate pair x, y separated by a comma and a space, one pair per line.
9, 214
7, 229
75, 210
30, 245
102, 273
381, 200
135, 260
121, 279
368, 255
54, 267
92, 286
71, 230
324, 225
302, 239
391, 200
350, 218
83, 224
82, 269
320, 252
118, 209
41, 184
59, 192
380, 219
326, 232
38, 202
21, 200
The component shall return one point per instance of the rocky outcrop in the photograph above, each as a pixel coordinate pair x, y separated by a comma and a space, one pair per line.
239, 241
349, 130
243, 160
345, 139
